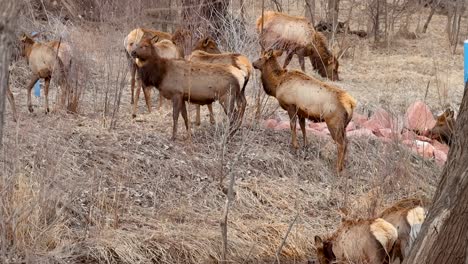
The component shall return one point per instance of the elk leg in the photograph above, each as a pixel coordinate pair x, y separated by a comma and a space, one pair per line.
210, 109
34, 79
186, 121
197, 116
293, 117
160, 102
135, 102
176, 107
288, 59
147, 94
132, 83
302, 62
338, 133
46, 93
11, 99
302, 124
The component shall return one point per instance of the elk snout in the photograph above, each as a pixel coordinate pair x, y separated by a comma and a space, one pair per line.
134, 54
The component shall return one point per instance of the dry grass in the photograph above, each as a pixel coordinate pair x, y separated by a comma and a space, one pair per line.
75, 191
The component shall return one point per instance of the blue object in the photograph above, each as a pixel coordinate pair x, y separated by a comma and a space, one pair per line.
37, 86
37, 89
466, 60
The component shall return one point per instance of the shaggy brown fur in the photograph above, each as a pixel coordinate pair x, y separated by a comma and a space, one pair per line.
305, 97
357, 241
207, 44
195, 82
444, 127
168, 50
133, 38
295, 35
43, 59
407, 216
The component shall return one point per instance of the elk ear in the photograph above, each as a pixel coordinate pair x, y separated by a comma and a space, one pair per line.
206, 42
269, 53
318, 241
154, 39
450, 113
277, 53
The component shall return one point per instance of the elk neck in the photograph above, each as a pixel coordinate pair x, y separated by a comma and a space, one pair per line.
154, 70
271, 76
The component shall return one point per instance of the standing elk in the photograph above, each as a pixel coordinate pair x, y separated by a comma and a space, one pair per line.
305, 97
44, 59
195, 82
167, 50
359, 241
207, 51
407, 216
444, 127
296, 35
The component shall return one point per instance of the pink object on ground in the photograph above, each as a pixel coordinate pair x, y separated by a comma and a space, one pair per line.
419, 117
270, 123
351, 126
283, 125
408, 135
318, 126
359, 119
440, 156
360, 133
425, 149
379, 120
387, 133
440, 146
423, 138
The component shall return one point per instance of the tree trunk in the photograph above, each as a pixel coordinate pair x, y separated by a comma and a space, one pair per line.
332, 12
310, 10
444, 234
8, 17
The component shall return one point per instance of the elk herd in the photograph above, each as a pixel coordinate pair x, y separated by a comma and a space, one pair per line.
158, 59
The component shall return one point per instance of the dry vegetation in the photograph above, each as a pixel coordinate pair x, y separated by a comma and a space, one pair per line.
99, 187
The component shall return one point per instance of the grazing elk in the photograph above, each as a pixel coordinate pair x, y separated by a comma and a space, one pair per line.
207, 51
407, 216
305, 97
295, 35
444, 127
45, 59
199, 83
358, 241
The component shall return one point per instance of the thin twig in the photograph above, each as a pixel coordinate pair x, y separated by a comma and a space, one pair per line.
280, 248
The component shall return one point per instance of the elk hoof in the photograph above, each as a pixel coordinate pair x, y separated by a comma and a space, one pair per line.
213, 122
133, 115
47, 110
197, 123
30, 108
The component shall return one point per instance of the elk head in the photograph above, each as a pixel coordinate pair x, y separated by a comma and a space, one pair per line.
145, 49
265, 57
324, 251
25, 44
443, 129
207, 44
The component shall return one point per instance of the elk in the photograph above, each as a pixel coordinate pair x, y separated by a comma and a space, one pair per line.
44, 59
304, 97
195, 82
407, 216
357, 241
166, 49
444, 127
295, 35
207, 51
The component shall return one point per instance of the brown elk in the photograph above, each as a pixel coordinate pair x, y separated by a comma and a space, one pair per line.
199, 83
444, 127
305, 97
407, 216
207, 51
295, 35
44, 59
168, 50
357, 241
